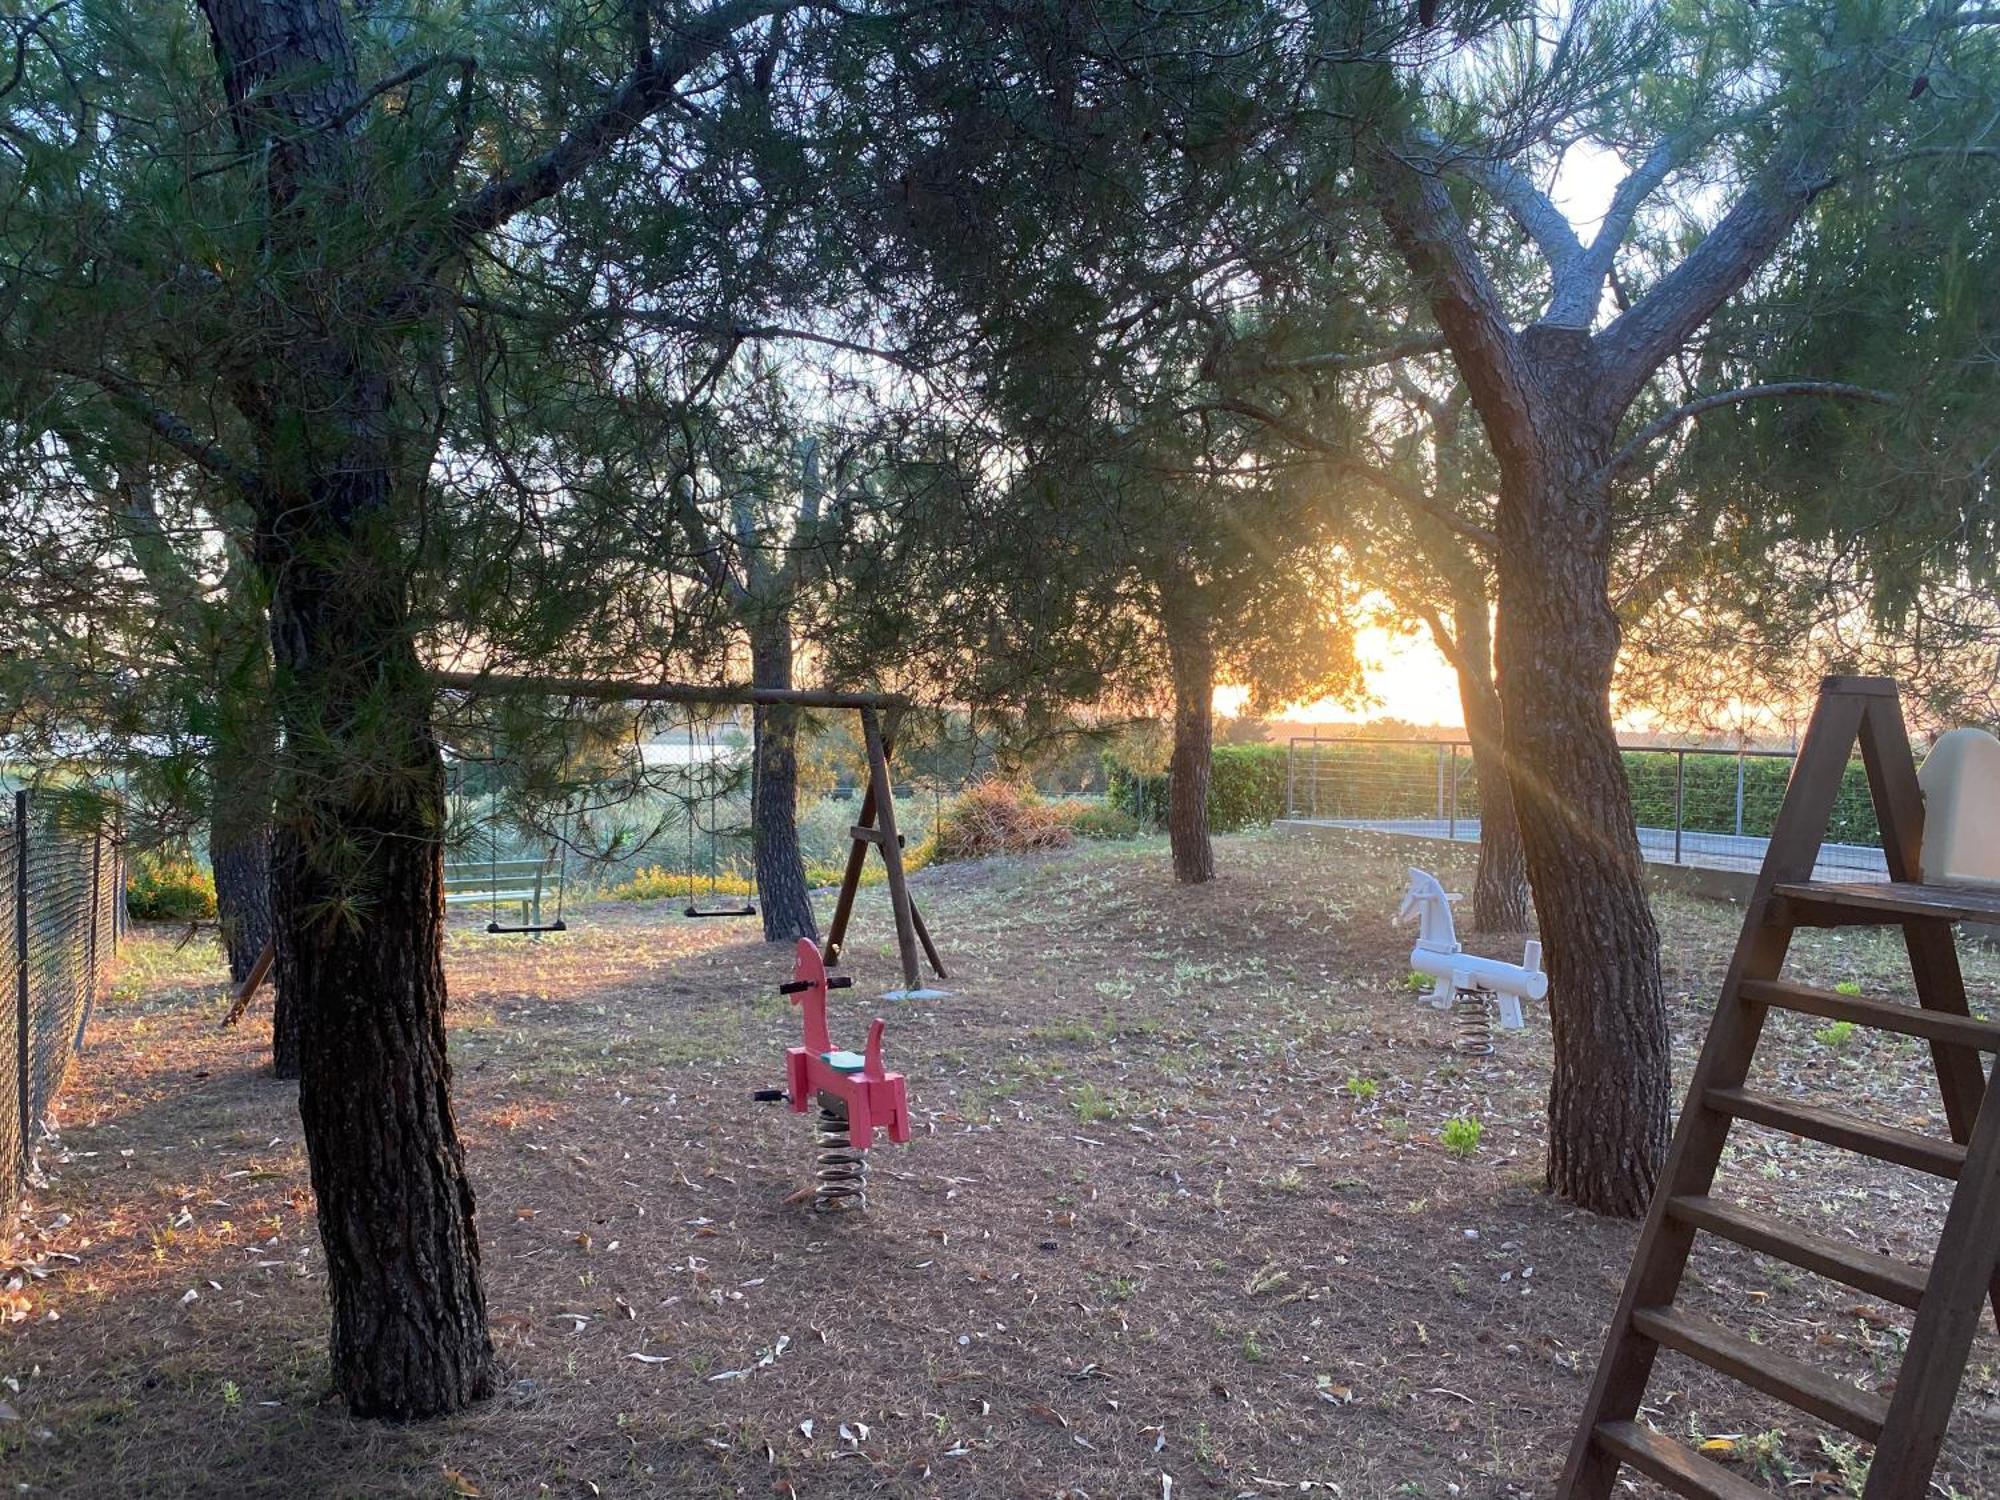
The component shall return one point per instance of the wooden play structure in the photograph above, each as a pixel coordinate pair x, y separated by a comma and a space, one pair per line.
1950, 1295
878, 714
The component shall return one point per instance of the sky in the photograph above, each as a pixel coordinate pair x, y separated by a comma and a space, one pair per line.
1406, 676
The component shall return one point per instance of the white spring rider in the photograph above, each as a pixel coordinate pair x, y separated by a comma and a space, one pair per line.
1467, 984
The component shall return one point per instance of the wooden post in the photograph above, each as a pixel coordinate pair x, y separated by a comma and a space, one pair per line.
90, 953
890, 844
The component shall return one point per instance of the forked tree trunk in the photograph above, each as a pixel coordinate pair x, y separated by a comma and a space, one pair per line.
1192, 660
774, 795
1500, 889
357, 889
1558, 640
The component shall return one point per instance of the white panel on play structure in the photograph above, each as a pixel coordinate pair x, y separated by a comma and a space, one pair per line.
1961, 782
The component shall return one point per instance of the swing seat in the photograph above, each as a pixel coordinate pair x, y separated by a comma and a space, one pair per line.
748, 909
843, 1061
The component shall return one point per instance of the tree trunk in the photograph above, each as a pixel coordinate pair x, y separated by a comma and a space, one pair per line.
242, 766
1558, 641
241, 858
1192, 659
358, 899
1500, 890
357, 887
774, 795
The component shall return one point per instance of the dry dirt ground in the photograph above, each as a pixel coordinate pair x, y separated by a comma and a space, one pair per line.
1178, 1220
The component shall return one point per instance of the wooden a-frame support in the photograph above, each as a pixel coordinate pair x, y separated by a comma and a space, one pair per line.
1950, 1295
877, 827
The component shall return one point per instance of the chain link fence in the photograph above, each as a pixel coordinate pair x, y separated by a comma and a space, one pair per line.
1709, 808
62, 885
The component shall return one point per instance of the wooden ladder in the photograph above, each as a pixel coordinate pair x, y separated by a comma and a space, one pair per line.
1949, 1295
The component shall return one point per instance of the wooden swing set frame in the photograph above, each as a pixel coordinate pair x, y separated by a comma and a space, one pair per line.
880, 714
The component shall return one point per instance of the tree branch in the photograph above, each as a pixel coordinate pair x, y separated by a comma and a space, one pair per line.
647, 90
721, 329
1643, 337
1574, 304
1341, 461
1526, 204
1442, 638
1401, 348
1835, 390
169, 426
1432, 238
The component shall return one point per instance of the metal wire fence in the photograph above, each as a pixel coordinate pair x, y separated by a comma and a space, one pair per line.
1711, 808
62, 885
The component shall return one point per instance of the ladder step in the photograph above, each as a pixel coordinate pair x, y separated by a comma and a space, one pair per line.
1791, 1381
1880, 1015
1905, 1148
1660, 1458
1864, 1270
1819, 903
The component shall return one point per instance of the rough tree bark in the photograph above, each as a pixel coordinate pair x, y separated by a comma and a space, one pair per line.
774, 794
1191, 658
357, 890
1557, 645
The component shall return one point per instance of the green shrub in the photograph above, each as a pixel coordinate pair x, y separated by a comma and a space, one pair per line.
1140, 795
657, 883
1707, 792
998, 817
1835, 1034
169, 888
1246, 788
1100, 820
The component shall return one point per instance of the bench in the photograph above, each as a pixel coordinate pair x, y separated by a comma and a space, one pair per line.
485, 882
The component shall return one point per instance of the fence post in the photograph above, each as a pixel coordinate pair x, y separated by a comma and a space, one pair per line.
21, 964
1315, 773
1680, 791
1291, 775
1453, 831
90, 941
1739, 791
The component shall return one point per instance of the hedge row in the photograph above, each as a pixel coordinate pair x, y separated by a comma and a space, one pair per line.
1361, 780
1246, 788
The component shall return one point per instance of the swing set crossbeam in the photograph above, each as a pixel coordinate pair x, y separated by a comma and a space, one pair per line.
620, 690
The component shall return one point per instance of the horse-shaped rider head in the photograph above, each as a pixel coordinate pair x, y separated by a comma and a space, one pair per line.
1430, 904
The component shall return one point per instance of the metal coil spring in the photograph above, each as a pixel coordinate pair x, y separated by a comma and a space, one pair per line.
1472, 1024
840, 1173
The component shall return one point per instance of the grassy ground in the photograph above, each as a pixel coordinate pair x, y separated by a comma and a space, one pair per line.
1179, 1207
